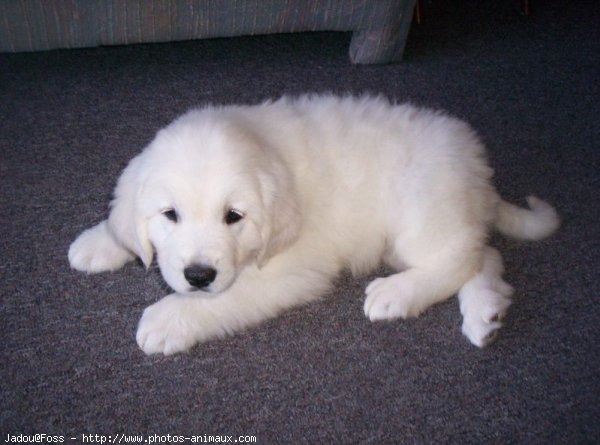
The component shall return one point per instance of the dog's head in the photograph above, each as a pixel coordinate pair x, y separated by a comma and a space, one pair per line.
210, 197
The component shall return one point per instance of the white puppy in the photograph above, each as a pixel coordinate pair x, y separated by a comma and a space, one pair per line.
254, 209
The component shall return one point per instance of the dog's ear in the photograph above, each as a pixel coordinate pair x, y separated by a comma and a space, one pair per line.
126, 220
282, 214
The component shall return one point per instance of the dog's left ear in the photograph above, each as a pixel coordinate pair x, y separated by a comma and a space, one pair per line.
126, 220
282, 212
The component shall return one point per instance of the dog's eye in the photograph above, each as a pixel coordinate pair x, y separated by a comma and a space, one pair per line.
171, 215
232, 216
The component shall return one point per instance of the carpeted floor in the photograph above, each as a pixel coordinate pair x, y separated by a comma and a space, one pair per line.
69, 122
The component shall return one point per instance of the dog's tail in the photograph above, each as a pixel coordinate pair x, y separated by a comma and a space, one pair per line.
535, 223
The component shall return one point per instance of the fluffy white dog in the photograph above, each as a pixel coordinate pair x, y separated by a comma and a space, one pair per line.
254, 209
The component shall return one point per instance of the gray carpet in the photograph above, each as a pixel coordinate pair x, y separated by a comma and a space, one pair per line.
70, 120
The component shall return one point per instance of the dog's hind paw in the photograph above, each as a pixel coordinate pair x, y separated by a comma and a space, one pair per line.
483, 310
484, 300
481, 331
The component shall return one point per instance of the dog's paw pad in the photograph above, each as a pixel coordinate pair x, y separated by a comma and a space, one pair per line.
479, 332
482, 321
496, 317
490, 337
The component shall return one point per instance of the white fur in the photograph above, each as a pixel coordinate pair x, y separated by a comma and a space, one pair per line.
323, 183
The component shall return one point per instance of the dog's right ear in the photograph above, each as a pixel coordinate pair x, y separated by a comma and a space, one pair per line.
126, 220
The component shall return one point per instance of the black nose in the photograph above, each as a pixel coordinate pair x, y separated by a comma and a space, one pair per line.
199, 276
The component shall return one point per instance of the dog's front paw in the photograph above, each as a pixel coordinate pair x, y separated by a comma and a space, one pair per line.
166, 327
95, 250
386, 300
